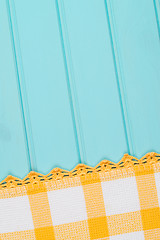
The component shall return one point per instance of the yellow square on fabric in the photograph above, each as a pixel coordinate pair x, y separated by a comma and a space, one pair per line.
98, 227
90, 179
140, 170
150, 218
44, 233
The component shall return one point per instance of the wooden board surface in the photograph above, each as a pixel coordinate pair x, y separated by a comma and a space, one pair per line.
79, 82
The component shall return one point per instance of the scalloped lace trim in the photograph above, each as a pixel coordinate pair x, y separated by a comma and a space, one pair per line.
127, 162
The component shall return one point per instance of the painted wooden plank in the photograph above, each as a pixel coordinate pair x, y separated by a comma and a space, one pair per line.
52, 122
13, 145
137, 46
156, 4
82, 79
92, 73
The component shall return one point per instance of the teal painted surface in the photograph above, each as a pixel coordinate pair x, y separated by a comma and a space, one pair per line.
87, 38
136, 35
46, 87
13, 148
79, 82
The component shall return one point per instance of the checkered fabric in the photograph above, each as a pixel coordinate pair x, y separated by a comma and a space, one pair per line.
120, 203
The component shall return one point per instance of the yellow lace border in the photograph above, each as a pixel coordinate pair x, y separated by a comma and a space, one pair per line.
127, 163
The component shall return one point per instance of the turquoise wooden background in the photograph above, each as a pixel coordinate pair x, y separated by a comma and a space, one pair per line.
79, 82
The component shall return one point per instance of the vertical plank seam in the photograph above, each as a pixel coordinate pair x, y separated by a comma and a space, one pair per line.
155, 3
70, 78
119, 78
20, 79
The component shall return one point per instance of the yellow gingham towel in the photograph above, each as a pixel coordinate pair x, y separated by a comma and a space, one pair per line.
111, 201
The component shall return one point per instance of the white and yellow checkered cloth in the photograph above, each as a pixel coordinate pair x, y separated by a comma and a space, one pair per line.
111, 201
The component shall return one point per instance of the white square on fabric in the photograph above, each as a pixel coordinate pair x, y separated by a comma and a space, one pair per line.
120, 196
129, 236
157, 179
67, 205
15, 214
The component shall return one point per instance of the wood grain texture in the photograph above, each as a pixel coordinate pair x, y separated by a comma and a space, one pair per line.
79, 82
14, 157
137, 37
45, 77
86, 34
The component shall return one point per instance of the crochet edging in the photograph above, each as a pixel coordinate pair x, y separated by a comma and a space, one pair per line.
127, 162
